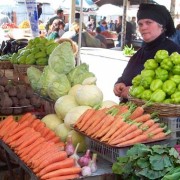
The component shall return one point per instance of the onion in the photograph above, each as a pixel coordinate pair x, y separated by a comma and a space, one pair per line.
84, 160
93, 164
69, 148
86, 171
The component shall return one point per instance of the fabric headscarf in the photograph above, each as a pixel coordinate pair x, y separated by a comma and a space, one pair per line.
158, 13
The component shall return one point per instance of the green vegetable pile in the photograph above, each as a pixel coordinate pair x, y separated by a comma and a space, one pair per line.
144, 162
36, 52
128, 51
5, 57
159, 81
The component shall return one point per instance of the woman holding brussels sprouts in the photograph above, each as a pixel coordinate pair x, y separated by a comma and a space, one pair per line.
155, 26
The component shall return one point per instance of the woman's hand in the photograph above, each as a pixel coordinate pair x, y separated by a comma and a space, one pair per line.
121, 90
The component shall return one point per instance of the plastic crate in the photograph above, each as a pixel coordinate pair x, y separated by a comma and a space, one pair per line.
112, 153
173, 123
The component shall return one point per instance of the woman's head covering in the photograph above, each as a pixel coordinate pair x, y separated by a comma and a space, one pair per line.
158, 13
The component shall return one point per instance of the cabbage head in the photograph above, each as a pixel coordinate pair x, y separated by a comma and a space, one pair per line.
48, 76
34, 75
89, 95
59, 87
64, 104
79, 74
62, 60
74, 89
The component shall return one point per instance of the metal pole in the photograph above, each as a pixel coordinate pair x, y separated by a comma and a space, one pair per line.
123, 30
80, 33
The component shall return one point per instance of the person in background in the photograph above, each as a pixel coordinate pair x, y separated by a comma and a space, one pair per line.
128, 38
176, 36
39, 9
59, 15
134, 27
91, 26
54, 34
103, 26
61, 28
4, 19
100, 36
155, 24
111, 26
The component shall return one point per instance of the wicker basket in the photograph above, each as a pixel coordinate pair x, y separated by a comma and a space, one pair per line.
6, 65
22, 68
164, 110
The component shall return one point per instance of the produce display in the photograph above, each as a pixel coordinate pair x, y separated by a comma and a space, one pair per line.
121, 125
36, 52
60, 75
128, 51
160, 80
16, 98
8, 26
38, 147
24, 24
148, 162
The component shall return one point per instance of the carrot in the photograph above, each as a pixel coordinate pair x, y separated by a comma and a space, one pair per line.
96, 119
23, 138
17, 135
73, 176
6, 136
138, 139
146, 125
20, 127
35, 123
127, 137
55, 139
44, 131
133, 127
142, 118
50, 135
62, 172
86, 119
160, 135
40, 126
157, 130
25, 117
137, 112
153, 127
53, 158
9, 120
29, 141
69, 162
105, 127
119, 131
27, 149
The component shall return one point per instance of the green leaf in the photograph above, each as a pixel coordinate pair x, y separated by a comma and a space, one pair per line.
143, 162
159, 149
159, 162
138, 149
174, 153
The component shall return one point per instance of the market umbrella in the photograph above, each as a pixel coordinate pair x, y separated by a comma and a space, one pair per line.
109, 10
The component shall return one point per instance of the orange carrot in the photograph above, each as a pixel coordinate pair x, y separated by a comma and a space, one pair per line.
17, 135
69, 162
139, 139
137, 112
55, 139
119, 121
35, 123
50, 135
157, 130
160, 135
105, 127
153, 127
142, 118
25, 117
146, 125
73, 176
45, 131
127, 137
26, 150
13, 125
29, 141
40, 126
53, 158
132, 127
96, 119
86, 119
62, 172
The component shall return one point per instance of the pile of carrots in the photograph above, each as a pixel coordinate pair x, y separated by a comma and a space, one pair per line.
122, 125
38, 147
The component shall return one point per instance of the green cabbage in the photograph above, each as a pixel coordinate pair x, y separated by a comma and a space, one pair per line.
46, 78
79, 74
62, 59
59, 87
34, 75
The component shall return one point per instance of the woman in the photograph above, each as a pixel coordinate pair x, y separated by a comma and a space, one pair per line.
54, 33
155, 25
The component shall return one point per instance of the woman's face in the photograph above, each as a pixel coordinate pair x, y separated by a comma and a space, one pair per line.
149, 29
